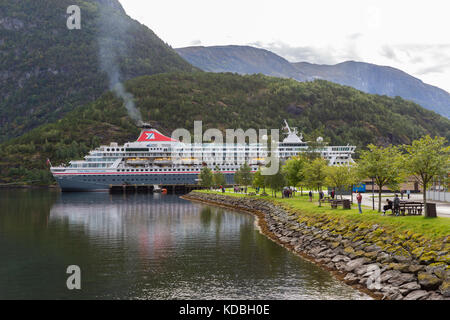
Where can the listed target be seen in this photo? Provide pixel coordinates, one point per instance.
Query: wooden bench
(335, 203)
(410, 208)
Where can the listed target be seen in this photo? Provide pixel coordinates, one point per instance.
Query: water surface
(142, 246)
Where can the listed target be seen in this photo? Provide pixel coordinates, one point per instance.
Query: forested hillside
(174, 100)
(47, 70)
(366, 77)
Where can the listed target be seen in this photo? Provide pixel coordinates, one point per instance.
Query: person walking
(408, 193)
(320, 198)
(310, 196)
(396, 205)
(359, 199)
(332, 194)
(401, 194)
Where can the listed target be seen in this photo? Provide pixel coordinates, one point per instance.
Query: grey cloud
(195, 43)
(308, 53)
(355, 36)
(439, 68)
(434, 58)
(388, 52)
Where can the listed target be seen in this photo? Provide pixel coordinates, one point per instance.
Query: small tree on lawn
(259, 180)
(245, 175)
(426, 159)
(276, 182)
(315, 173)
(206, 177)
(218, 177)
(340, 177)
(384, 165)
(293, 170)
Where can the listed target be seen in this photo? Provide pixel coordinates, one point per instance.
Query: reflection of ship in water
(156, 221)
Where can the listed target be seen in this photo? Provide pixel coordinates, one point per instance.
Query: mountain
(366, 77)
(381, 80)
(240, 59)
(47, 70)
(341, 114)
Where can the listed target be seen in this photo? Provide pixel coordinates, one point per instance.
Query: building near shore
(439, 190)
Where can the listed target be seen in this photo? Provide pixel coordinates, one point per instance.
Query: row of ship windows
(136, 179)
(173, 170)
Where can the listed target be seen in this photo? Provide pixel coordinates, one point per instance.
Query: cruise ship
(155, 159)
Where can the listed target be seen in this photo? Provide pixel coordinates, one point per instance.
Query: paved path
(442, 208)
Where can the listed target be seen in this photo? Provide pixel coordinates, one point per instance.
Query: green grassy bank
(425, 238)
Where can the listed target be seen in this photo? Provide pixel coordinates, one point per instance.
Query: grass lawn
(429, 227)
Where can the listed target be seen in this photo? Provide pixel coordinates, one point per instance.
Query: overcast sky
(413, 36)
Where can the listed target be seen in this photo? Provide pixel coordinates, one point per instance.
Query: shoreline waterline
(263, 229)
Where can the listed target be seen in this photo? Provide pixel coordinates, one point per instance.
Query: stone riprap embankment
(384, 263)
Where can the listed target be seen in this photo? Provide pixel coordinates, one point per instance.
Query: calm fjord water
(145, 247)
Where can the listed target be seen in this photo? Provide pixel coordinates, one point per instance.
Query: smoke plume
(111, 39)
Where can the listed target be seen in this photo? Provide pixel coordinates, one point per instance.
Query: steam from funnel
(111, 42)
(128, 99)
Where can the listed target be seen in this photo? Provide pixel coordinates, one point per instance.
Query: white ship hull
(155, 159)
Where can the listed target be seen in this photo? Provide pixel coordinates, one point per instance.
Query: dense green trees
(315, 173)
(218, 178)
(294, 170)
(244, 175)
(276, 181)
(385, 165)
(259, 180)
(341, 177)
(206, 178)
(175, 100)
(427, 159)
(48, 70)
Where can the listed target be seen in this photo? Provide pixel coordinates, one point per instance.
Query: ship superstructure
(156, 159)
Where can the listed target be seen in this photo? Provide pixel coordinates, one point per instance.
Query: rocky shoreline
(383, 264)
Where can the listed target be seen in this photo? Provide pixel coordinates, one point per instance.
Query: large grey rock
(384, 257)
(395, 296)
(385, 276)
(355, 263)
(339, 258)
(441, 273)
(351, 278)
(415, 268)
(417, 294)
(340, 265)
(435, 296)
(402, 259)
(360, 270)
(445, 288)
(429, 281)
(401, 279)
(408, 287)
(324, 253)
(372, 248)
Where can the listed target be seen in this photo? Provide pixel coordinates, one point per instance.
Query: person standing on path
(396, 205)
(320, 198)
(359, 199)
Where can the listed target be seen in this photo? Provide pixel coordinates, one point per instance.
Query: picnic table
(411, 208)
(345, 203)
